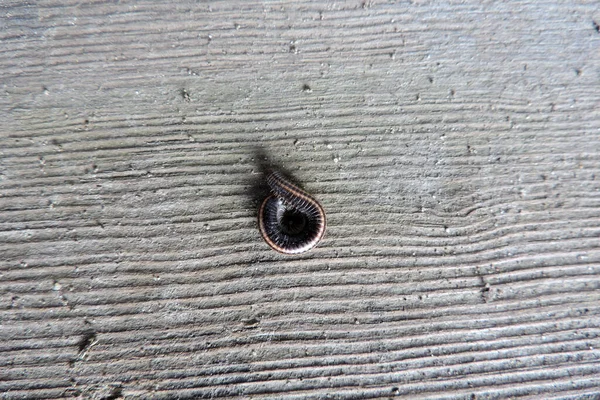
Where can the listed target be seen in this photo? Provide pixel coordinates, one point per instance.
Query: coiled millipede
(290, 220)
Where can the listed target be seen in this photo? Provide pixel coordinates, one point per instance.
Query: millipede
(290, 220)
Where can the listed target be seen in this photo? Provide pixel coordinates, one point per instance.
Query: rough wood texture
(454, 146)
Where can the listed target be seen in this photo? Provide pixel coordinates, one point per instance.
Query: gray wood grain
(455, 148)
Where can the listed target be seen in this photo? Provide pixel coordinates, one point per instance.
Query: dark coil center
(293, 222)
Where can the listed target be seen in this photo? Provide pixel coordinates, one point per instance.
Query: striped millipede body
(290, 220)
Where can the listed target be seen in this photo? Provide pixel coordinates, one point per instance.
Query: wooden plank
(455, 148)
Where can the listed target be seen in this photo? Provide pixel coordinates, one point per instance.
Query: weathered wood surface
(454, 146)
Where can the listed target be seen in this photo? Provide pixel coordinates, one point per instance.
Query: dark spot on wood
(116, 393)
(185, 95)
(306, 88)
(472, 210)
(251, 321)
(430, 79)
(596, 26)
(86, 340)
(484, 290)
(191, 71)
(71, 392)
(577, 72)
(56, 143)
